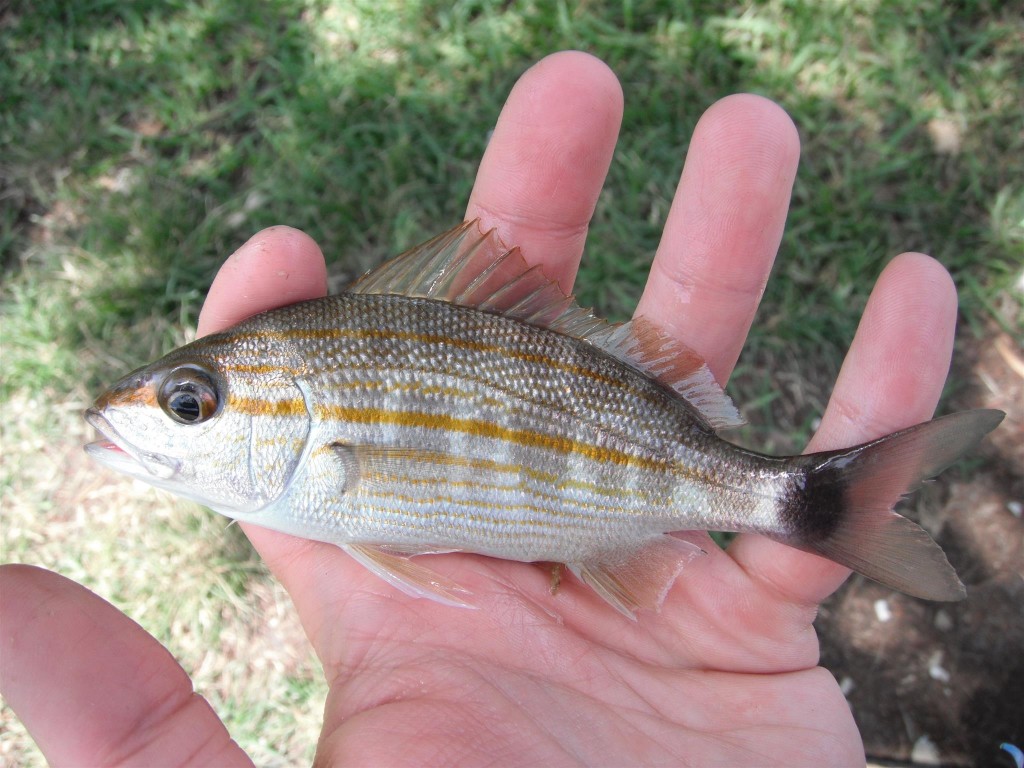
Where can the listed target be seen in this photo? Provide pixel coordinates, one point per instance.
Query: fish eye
(189, 395)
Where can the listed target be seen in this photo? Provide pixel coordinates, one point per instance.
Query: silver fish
(455, 400)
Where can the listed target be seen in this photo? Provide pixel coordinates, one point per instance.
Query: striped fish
(455, 400)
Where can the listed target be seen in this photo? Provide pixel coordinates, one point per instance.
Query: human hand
(725, 674)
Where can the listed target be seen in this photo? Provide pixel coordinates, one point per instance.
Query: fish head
(192, 424)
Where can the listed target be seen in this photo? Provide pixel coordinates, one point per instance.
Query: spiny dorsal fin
(421, 270)
(471, 268)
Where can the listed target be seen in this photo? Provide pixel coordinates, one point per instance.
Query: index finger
(543, 170)
(275, 267)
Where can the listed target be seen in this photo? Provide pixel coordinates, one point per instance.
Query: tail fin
(844, 509)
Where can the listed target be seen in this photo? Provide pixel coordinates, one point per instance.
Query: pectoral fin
(403, 574)
(640, 578)
(381, 469)
(373, 467)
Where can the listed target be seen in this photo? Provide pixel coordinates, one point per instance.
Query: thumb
(93, 687)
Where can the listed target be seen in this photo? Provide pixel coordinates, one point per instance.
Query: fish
(455, 399)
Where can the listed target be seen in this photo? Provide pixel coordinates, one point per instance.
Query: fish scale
(455, 400)
(457, 356)
(546, 426)
(558, 394)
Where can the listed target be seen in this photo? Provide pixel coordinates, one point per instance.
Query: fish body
(455, 400)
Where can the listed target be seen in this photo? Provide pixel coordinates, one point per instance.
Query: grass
(140, 143)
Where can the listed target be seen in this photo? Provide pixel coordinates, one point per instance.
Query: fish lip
(119, 454)
(99, 422)
(112, 439)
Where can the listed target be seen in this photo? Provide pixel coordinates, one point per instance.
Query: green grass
(141, 142)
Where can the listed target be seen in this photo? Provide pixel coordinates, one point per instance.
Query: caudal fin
(844, 509)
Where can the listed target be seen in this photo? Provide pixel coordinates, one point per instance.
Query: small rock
(925, 752)
(846, 685)
(943, 622)
(1015, 508)
(946, 136)
(882, 610)
(935, 668)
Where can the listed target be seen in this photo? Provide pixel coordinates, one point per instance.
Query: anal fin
(640, 578)
(403, 574)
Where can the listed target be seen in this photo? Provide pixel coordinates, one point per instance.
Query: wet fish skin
(445, 405)
(398, 392)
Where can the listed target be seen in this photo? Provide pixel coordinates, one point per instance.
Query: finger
(541, 175)
(92, 687)
(724, 228)
(892, 378)
(276, 267)
(907, 334)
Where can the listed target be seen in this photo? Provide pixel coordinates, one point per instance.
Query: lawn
(141, 142)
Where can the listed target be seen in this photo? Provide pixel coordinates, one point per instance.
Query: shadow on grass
(158, 136)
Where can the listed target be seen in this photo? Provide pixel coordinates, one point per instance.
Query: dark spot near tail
(813, 507)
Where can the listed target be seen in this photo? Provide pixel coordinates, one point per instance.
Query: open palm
(725, 674)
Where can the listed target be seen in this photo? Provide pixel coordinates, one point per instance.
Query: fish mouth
(117, 453)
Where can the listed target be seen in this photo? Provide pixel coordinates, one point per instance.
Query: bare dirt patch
(943, 684)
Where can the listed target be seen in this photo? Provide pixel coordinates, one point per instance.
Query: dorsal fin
(642, 345)
(472, 268)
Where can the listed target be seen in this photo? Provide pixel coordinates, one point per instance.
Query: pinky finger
(892, 378)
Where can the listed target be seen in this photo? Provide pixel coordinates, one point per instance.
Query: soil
(943, 683)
